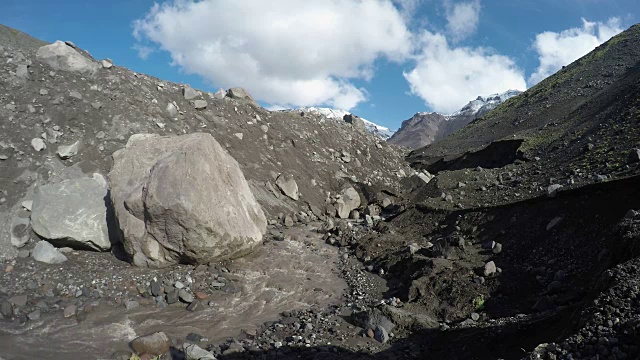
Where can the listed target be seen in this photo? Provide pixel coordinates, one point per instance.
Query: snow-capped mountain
(425, 128)
(381, 131)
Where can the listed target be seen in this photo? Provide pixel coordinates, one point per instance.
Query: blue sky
(383, 59)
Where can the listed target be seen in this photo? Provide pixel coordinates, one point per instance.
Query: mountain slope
(382, 132)
(428, 127)
(558, 111)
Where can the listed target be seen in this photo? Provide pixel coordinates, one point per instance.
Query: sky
(383, 60)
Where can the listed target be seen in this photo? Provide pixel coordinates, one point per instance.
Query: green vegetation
(478, 302)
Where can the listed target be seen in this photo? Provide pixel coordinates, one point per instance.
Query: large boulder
(287, 184)
(73, 213)
(349, 200)
(61, 56)
(182, 199)
(241, 94)
(355, 121)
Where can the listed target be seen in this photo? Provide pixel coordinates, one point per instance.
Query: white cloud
(462, 18)
(286, 52)
(448, 78)
(143, 51)
(559, 49)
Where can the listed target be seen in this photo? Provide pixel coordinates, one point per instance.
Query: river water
(285, 275)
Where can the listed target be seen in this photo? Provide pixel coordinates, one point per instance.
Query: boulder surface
(182, 199)
(61, 56)
(72, 213)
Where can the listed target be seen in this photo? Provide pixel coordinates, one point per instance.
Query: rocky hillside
(428, 127)
(57, 117)
(561, 113)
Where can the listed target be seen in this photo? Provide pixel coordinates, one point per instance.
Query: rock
(489, 269)
(189, 93)
(76, 95)
(34, 315)
(6, 310)
(287, 184)
(355, 121)
(381, 334)
(68, 151)
(163, 198)
(107, 64)
(194, 352)
(545, 303)
(38, 144)
(475, 316)
(155, 288)
(172, 297)
(599, 178)
(288, 221)
(46, 253)
(186, 296)
(131, 304)
(497, 249)
(20, 231)
(82, 224)
(19, 300)
(195, 306)
(199, 104)
(555, 221)
(70, 311)
(349, 200)
(240, 94)
(22, 72)
(634, 156)
(60, 56)
(240, 136)
(552, 190)
(23, 254)
(153, 344)
(172, 109)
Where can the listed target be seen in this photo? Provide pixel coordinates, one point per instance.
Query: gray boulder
(189, 93)
(72, 213)
(241, 94)
(355, 121)
(182, 199)
(61, 56)
(349, 200)
(47, 253)
(194, 352)
(287, 184)
(68, 151)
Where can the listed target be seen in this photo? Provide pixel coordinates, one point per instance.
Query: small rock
(194, 352)
(68, 151)
(185, 296)
(107, 64)
(189, 93)
(634, 156)
(38, 144)
(34, 315)
(19, 300)
(47, 253)
(475, 316)
(552, 190)
(200, 104)
(497, 249)
(153, 344)
(239, 135)
(489, 269)
(70, 311)
(131, 304)
(6, 310)
(172, 297)
(381, 334)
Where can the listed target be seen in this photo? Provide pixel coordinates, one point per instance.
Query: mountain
(580, 107)
(425, 128)
(382, 132)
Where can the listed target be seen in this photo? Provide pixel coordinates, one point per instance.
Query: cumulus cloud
(447, 78)
(559, 49)
(462, 18)
(285, 52)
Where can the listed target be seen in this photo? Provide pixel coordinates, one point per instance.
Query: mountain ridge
(425, 128)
